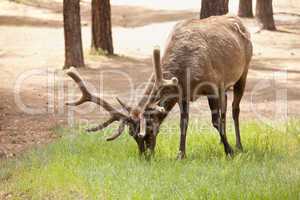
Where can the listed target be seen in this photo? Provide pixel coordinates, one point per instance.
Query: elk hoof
(229, 152)
(239, 147)
(181, 155)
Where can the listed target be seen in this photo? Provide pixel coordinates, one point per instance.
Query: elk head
(144, 119)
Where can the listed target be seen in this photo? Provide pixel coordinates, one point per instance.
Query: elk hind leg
(222, 125)
(238, 91)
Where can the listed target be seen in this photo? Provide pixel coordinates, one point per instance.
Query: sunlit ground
(187, 4)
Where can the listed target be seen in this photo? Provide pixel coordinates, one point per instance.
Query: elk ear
(157, 108)
(124, 105)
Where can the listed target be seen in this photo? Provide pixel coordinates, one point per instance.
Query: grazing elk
(203, 57)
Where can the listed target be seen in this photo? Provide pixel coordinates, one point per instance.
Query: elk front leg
(223, 106)
(151, 143)
(141, 145)
(184, 120)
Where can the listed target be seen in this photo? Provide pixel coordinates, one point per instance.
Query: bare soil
(31, 37)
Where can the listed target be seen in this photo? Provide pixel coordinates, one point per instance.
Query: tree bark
(213, 7)
(72, 33)
(264, 14)
(101, 26)
(245, 8)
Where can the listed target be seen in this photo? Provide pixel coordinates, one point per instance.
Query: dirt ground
(32, 55)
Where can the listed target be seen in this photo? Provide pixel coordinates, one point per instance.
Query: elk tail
(244, 34)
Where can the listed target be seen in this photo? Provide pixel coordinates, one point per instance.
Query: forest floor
(32, 56)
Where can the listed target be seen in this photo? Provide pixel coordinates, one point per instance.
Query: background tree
(264, 14)
(245, 8)
(101, 26)
(213, 7)
(72, 32)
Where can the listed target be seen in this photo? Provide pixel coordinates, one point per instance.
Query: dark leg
(215, 112)
(223, 106)
(238, 91)
(141, 145)
(184, 120)
(151, 143)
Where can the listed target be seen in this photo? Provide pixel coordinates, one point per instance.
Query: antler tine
(101, 126)
(118, 132)
(124, 105)
(156, 62)
(160, 81)
(147, 92)
(88, 96)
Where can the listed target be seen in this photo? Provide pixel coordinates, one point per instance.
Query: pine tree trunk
(101, 26)
(264, 14)
(213, 7)
(245, 8)
(72, 32)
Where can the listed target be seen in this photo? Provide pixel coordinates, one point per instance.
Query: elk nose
(141, 135)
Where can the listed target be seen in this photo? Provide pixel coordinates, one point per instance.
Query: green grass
(80, 166)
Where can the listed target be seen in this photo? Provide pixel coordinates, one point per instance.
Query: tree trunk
(245, 8)
(72, 31)
(264, 14)
(213, 7)
(101, 26)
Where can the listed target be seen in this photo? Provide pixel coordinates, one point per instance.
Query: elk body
(203, 57)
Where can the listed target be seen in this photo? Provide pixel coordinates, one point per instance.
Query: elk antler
(124, 105)
(118, 132)
(87, 96)
(159, 80)
(159, 84)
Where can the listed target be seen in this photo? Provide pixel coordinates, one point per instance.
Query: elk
(203, 57)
